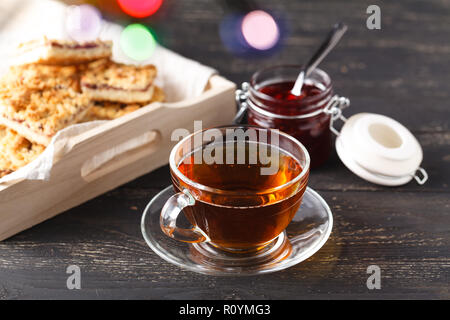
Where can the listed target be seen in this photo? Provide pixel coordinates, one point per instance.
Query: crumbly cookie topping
(44, 112)
(16, 151)
(108, 74)
(40, 77)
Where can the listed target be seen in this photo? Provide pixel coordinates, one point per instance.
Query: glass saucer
(304, 236)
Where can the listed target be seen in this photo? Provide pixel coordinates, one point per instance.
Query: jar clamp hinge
(241, 100)
(423, 179)
(334, 109)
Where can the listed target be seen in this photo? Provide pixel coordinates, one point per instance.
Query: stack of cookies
(60, 83)
(117, 89)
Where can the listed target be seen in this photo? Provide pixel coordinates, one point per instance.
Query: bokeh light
(260, 30)
(137, 42)
(83, 23)
(140, 8)
(252, 34)
(231, 35)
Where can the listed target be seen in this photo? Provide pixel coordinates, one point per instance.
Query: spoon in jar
(330, 42)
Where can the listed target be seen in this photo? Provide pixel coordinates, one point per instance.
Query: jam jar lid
(380, 150)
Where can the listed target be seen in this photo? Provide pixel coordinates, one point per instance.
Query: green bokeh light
(137, 42)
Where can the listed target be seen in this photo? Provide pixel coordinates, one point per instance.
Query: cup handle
(169, 215)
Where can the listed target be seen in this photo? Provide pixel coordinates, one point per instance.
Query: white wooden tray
(77, 177)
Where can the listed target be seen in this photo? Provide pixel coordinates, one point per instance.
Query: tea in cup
(239, 186)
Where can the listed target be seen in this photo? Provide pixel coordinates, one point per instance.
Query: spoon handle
(330, 42)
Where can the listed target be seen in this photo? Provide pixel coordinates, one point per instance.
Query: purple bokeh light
(83, 23)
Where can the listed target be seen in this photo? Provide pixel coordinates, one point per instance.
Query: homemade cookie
(107, 110)
(110, 81)
(62, 52)
(158, 95)
(38, 115)
(5, 166)
(16, 151)
(40, 77)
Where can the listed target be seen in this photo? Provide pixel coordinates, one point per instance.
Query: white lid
(380, 150)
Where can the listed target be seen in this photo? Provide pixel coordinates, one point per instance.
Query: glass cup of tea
(238, 186)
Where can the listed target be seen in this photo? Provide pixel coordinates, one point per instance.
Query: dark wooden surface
(402, 71)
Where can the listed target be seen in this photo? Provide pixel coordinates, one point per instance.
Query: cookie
(105, 80)
(40, 77)
(62, 52)
(107, 110)
(158, 95)
(38, 115)
(16, 151)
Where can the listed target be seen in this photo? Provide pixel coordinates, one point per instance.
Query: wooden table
(401, 71)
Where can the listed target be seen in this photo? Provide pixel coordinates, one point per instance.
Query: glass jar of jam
(308, 117)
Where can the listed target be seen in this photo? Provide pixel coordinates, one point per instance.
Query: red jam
(292, 114)
(282, 91)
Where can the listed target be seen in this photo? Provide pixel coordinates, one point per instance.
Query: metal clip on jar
(375, 147)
